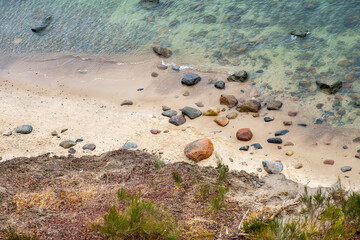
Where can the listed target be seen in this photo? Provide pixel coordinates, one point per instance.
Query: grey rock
(89, 146)
(169, 113)
(67, 144)
(24, 129)
(6, 134)
(220, 84)
(177, 120)
(240, 76)
(275, 140)
(72, 151)
(129, 145)
(274, 105)
(126, 102)
(329, 86)
(191, 112)
(281, 132)
(272, 167)
(256, 146)
(299, 33)
(191, 79)
(346, 169)
(165, 108)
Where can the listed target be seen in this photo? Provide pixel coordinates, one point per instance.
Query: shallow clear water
(222, 35)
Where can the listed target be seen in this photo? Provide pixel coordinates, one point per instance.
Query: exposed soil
(58, 197)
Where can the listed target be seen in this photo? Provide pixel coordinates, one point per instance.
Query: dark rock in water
(24, 129)
(177, 120)
(275, 140)
(192, 113)
(318, 121)
(268, 119)
(346, 169)
(126, 103)
(249, 106)
(329, 86)
(351, 21)
(357, 62)
(191, 79)
(244, 148)
(233, 18)
(174, 23)
(228, 100)
(67, 144)
(129, 145)
(209, 19)
(240, 76)
(169, 113)
(260, 71)
(298, 33)
(302, 124)
(274, 105)
(149, 3)
(162, 52)
(281, 132)
(89, 146)
(256, 146)
(220, 84)
(175, 69)
(272, 167)
(72, 151)
(43, 26)
(79, 140)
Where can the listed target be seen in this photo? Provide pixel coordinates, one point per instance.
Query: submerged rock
(298, 33)
(240, 76)
(162, 52)
(199, 150)
(191, 79)
(24, 129)
(46, 22)
(272, 167)
(329, 86)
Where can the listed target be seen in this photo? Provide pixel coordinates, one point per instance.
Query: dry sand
(84, 97)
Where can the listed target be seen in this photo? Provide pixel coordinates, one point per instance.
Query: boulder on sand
(249, 106)
(199, 150)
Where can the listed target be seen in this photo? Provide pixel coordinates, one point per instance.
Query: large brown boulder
(244, 134)
(199, 150)
(249, 106)
(228, 100)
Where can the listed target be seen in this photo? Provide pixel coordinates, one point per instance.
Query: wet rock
(72, 151)
(46, 22)
(209, 19)
(222, 121)
(268, 119)
(24, 129)
(256, 146)
(272, 167)
(214, 111)
(177, 120)
(244, 134)
(346, 169)
(281, 132)
(155, 131)
(329, 162)
(7, 134)
(232, 115)
(67, 144)
(329, 86)
(162, 67)
(287, 123)
(299, 33)
(249, 106)
(199, 104)
(54, 133)
(126, 103)
(219, 84)
(228, 100)
(289, 153)
(292, 114)
(275, 140)
(274, 105)
(129, 145)
(190, 79)
(240, 76)
(169, 113)
(154, 74)
(199, 150)
(191, 112)
(162, 52)
(244, 148)
(89, 146)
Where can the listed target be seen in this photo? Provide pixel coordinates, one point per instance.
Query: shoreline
(52, 96)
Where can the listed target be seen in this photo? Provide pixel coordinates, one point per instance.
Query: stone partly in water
(214, 111)
(129, 145)
(244, 134)
(274, 105)
(177, 120)
(240, 76)
(190, 79)
(46, 22)
(222, 121)
(89, 146)
(346, 169)
(169, 113)
(228, 100)
(67, 144)
(329, 86)
(281, 132)
(275, 140)
(199, 150)
(232, 115)
(162, 52)
(249, 106)
(24, 129)
(191, 112)
(220, 84)
(272, 167)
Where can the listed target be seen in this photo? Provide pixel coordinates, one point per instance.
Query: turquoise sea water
(210, 35)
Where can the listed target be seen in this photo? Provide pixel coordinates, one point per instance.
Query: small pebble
(289, 144)
(346, 169)
(289, 153)
(72, 151)
(292, 114)
(329, 162)
(140, 89)
(287, 123)
(165, 108)
(244, 148)
(256, 146)
(255, 115)
(89, 146)
(154, 74)
(345, 147)
(54, 133)
(302, 125)
(186, 93)
(7, 134)
(298, 165)
(79, 140)
(268, 119)
(63, 130)
(199, 104)
(155, 131)
(126, 103)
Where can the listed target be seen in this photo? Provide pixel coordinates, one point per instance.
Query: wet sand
(84, 96)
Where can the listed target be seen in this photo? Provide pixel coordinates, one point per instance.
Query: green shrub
(159, 164)
(219, 198)
(11, 234)
(177, 178)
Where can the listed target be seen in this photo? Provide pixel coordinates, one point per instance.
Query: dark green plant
(177, 178)
(11, 234)
(159, 164)
(122, 194)
(222, 170)
(219, 198)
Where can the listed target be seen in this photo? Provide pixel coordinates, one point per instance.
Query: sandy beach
(84, 96)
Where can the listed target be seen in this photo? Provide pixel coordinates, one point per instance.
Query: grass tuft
(159, 164)
(11, 234)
